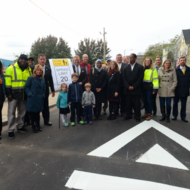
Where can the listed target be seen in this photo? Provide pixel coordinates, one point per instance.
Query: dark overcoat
(183, 84)
(133, 78)
(37, 88)
(114, 85)
(99, 80)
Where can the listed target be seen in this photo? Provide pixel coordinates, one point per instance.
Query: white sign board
(62, 70)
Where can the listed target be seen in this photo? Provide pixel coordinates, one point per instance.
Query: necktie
(77, 70)
(119, 66)
(183, 70)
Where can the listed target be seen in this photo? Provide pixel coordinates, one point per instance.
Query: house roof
(186, 34)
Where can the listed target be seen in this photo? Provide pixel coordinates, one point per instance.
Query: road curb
(5, 121)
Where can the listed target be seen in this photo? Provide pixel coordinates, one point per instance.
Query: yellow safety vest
(15, 78)
(151, 76)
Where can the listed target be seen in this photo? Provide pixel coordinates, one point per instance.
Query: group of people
(124, 86)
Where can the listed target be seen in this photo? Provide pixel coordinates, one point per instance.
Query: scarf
(147, 67)
(99, 69)
(39, 77)
(111, 71)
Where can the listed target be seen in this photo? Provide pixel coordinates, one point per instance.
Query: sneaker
(22, 130)
(85, 122)
(90, 122)
(65, 124)
(73, 124)
(81, 122)
(11, 135)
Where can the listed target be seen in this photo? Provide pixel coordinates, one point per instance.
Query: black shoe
(48, 123)
(163, 111)
(174, 118)
(34, 129)
(11, 135)
(39, 128)
(127, 118)
(104, 113)
(137, 120)
(22, 130)
(185, 120)
(122, 115)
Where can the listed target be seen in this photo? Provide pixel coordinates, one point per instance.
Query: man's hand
(10, 98)
(94, 106)
(116, 94)
(68, 104)
(158, 92)
(99, 89)
(130, 88)
(153, 92)
(53, 94)
(80, 83)
(83, 107)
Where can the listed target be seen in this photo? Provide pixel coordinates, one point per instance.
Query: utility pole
(104, 38)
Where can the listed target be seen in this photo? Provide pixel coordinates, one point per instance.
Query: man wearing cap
(121, 66)
(15, 78)
(30, 61)
(85, 64)
(108, 61)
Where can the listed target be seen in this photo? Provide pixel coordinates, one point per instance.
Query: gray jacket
(88, 98)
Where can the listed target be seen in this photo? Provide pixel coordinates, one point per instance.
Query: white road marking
(157, 155)
(112, 146)
(91, 181)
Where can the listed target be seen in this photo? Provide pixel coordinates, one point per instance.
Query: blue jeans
(183, 106)
(147, 97)
(167, 100)
(88, 113)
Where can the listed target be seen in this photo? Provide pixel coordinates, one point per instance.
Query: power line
(55, 19)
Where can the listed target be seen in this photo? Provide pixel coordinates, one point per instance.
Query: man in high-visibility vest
(15, 78)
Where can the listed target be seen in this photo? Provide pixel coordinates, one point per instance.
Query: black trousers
(154, 107)
(27, 117)
(98, 107)
(133, 101)
(113, 106)
(45, 111)
(1, 124)
(183, 106)
(35, 118)
(122, 103)
(75, 106)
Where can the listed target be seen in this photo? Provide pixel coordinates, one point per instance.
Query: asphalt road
(48, 159)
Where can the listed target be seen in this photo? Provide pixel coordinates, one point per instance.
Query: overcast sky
(130, 24)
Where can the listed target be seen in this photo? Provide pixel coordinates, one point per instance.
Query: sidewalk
(52, 102)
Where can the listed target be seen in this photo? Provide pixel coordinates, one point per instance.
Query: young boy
(74, 99)
(88, 102)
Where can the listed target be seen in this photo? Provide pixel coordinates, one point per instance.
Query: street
(108, 155)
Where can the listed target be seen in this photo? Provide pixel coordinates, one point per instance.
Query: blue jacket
(183, 82)
(37, 88)
(4, 89)
(62, 100)
(75, 92)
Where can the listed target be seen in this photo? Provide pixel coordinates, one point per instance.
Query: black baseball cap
(31, 58)
(23, 56)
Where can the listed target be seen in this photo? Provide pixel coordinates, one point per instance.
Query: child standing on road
(88, 102)
(62, 103)
(74, 99)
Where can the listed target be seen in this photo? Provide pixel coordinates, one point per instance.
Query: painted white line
(91, 181)
(112, 146)
(157, 155)
(171, 134)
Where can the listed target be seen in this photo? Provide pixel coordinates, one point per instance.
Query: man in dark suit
(182, 89)
(121, 66)
(81, 71)
(49, 82)
(133, 78)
